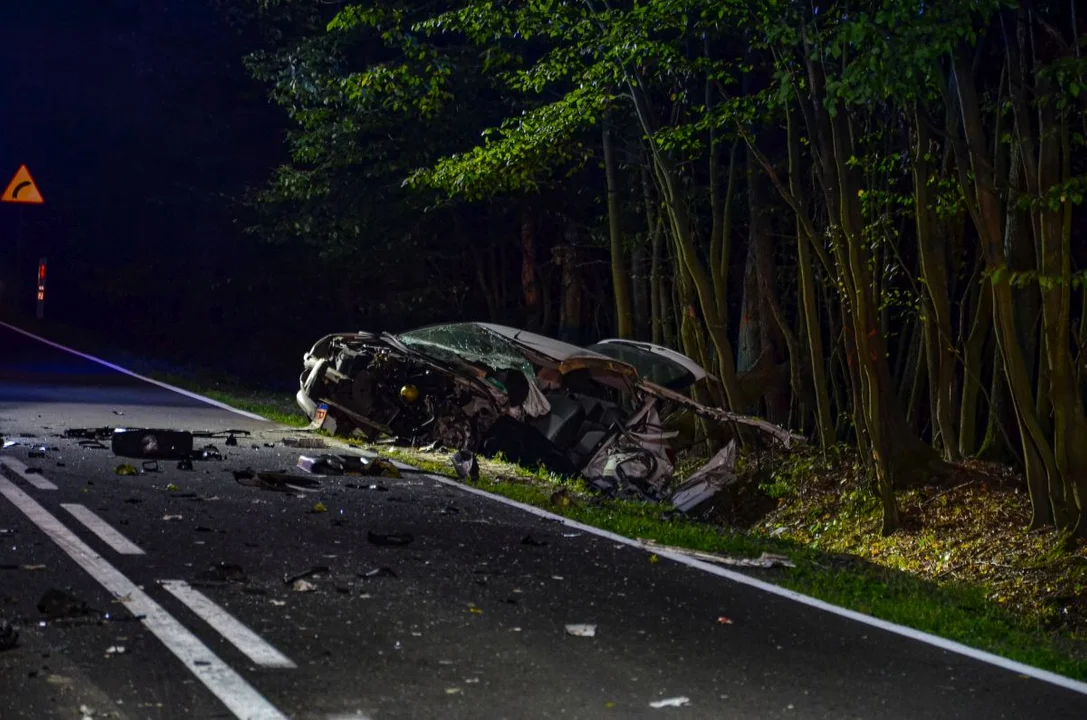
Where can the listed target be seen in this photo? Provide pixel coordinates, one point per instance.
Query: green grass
(957, 612)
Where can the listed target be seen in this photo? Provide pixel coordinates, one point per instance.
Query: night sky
(142, 130)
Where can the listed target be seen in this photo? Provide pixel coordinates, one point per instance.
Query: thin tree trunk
(938, 339)
(620, 280)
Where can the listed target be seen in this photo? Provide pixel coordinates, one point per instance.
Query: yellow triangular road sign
(22, 189)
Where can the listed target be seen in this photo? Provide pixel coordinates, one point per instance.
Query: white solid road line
(103, 530)
(253, 645)
(927, 638)
(125, 371)
(17, 467)
(226, 684)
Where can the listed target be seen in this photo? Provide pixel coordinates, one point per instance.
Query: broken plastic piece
(38, 452)
(152, 444)
(309, 443)
(765, 560)
(378, 572)
(210, 452)
(391, 539)
(303, 586)
(56, 604)
(315, 570)
(126, 469)
(319, 507)
(150, 465)
(707, 481)
(671, 702)
(9, 636)
(581, 630)
(280, 482)
(223, 572)
(466, 465)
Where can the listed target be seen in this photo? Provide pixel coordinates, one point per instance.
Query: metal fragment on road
(671, 702)
(765, 560)
(581, 630)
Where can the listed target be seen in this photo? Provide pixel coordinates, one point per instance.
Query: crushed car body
(492, 389)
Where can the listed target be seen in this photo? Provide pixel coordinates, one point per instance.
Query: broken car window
(467, 341)
(654, 368)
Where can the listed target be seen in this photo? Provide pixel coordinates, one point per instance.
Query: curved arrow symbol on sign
(19, 187)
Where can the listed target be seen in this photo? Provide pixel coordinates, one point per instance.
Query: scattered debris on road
(101, 433)
(391, 539)
(581, 630)
(765, 560)
(126, 469)
(9, 635)
(277, 481)
(307, 443)
(223, 573)
(319, 507)
(377, 572)
(115, 650)
(56, 604)
(466, 465)
(347, 465)
(724, 620)
(303, 586)
(154, 444)
(171, 518)
(671, 702)
(315, 570)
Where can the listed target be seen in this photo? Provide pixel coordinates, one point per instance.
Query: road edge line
(223, 681)
(737, 577)
(130, 373)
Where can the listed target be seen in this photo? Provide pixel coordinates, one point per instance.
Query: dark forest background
(865, 217)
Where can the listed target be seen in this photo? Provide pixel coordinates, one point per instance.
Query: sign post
(22, 190)
(41, 289)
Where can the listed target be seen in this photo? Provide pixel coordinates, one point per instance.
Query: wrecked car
(494, 389)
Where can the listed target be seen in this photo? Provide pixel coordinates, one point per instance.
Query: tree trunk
(565, 256)
(939, 344)
(529, 287)
(809, 310)
(972, 360)
(985, 208)
(620, 280)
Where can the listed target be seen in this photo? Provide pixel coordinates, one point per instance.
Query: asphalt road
(466, 621)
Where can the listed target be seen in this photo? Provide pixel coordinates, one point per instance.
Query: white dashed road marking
(231, 688)
(240, 636)
(20, 469)
(103, 530)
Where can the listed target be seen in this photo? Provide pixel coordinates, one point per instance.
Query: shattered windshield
(654, 368)
(468, 341)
